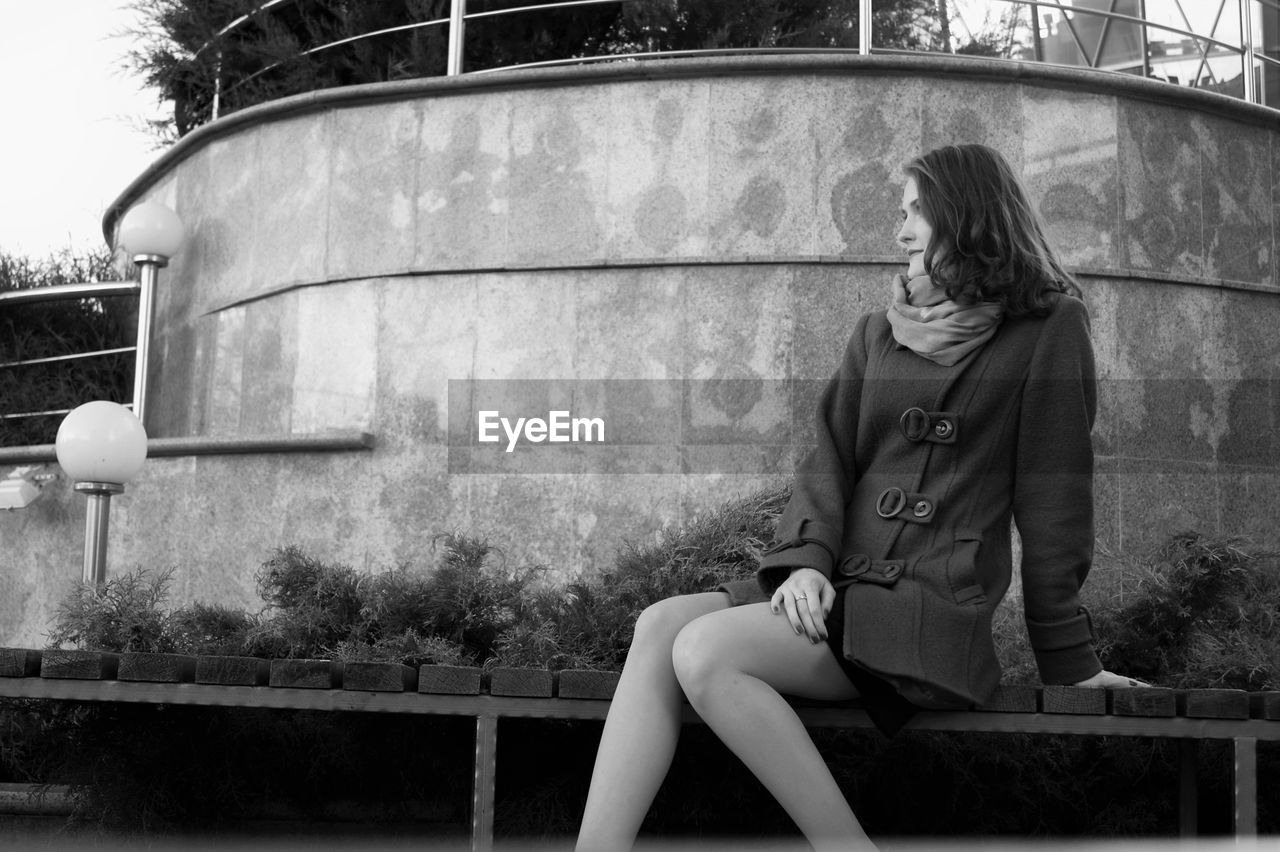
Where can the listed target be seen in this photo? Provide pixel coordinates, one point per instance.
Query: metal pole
(864, 27)
(217, 86)
(457, 25)
(1035, 31)
(92, 290)
(149, 266)
(1246, 38)
(1146, 47)
(96, 522)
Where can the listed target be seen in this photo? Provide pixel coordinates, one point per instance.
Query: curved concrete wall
(681, 247)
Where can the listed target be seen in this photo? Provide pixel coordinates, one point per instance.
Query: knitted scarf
(928, 323)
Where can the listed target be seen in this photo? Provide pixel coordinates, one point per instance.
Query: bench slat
(1264, 705)
(306, 674)
(449, 680)
(1013, 699)
(1214, 703)
(79, 665)
(232, 671)
(587, 683)
(379, 677)
(157, 668)
(533, 683)
(19, 662)
(1144, 701)
(1078, 700)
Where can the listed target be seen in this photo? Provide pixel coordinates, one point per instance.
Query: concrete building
(677, 248)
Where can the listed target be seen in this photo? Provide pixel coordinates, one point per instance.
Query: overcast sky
(70, 138)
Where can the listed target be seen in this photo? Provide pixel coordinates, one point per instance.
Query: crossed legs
(640, 732)
(731, 663)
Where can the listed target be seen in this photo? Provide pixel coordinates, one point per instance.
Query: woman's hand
(806, 597)
(1110, 680)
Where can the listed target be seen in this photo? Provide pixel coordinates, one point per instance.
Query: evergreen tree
(236, 53)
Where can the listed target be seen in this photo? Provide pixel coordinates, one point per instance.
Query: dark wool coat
(906, 502)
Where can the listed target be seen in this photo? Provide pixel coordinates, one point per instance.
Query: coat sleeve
(1053, 494)
(812, 525)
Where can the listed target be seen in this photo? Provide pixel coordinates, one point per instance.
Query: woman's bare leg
(640, 732)
(732, 666)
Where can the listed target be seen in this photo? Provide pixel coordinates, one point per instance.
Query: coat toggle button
(922, 508)
(890, 502)
(915, 423)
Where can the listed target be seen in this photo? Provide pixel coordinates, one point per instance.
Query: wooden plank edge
(232, 671)
(1265, 705)
(19, 662)
(1013, 698)
(450, 680)
(305, 674)
(79, 665)
(157, 668)
(1076, 700)
(1145, 701)
(1213, 703)
(587, 683)
(371, 676)
(521, 682)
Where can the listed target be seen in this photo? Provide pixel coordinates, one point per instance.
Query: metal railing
(93, 290)
(1079, 33)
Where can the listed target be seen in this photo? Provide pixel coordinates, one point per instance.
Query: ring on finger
(802, 597)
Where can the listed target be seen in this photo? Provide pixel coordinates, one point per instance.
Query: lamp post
(151, 233)
(101, 446)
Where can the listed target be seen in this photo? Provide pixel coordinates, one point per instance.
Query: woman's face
(916, 232)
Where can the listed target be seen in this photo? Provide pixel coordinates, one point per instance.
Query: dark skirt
(886, 707)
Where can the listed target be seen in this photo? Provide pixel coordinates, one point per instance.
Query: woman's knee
(659, 623)
(697, 657)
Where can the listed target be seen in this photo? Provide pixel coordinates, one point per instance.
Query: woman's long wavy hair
(988, 241)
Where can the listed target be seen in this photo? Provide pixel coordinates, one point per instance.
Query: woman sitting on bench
(966, 404)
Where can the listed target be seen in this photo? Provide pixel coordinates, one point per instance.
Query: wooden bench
(1187, 715)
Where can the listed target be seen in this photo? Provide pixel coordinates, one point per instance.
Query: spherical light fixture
(101, 442)
(101, 446)
(151, 234)
(152, 230)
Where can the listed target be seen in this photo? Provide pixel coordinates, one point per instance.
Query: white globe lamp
(101, 446)
(151, 234)
(151, 230)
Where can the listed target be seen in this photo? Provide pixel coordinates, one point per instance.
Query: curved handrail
(1204, 44)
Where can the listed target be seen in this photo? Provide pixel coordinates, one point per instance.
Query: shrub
(1205, 616)
(1202, 613)
(209, 629)
(124, 616)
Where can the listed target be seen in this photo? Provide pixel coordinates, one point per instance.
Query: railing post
(1035, 32)
(217, 87)
(1144, 41)
(457, 25)
(1246, 54)
(864, 27)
